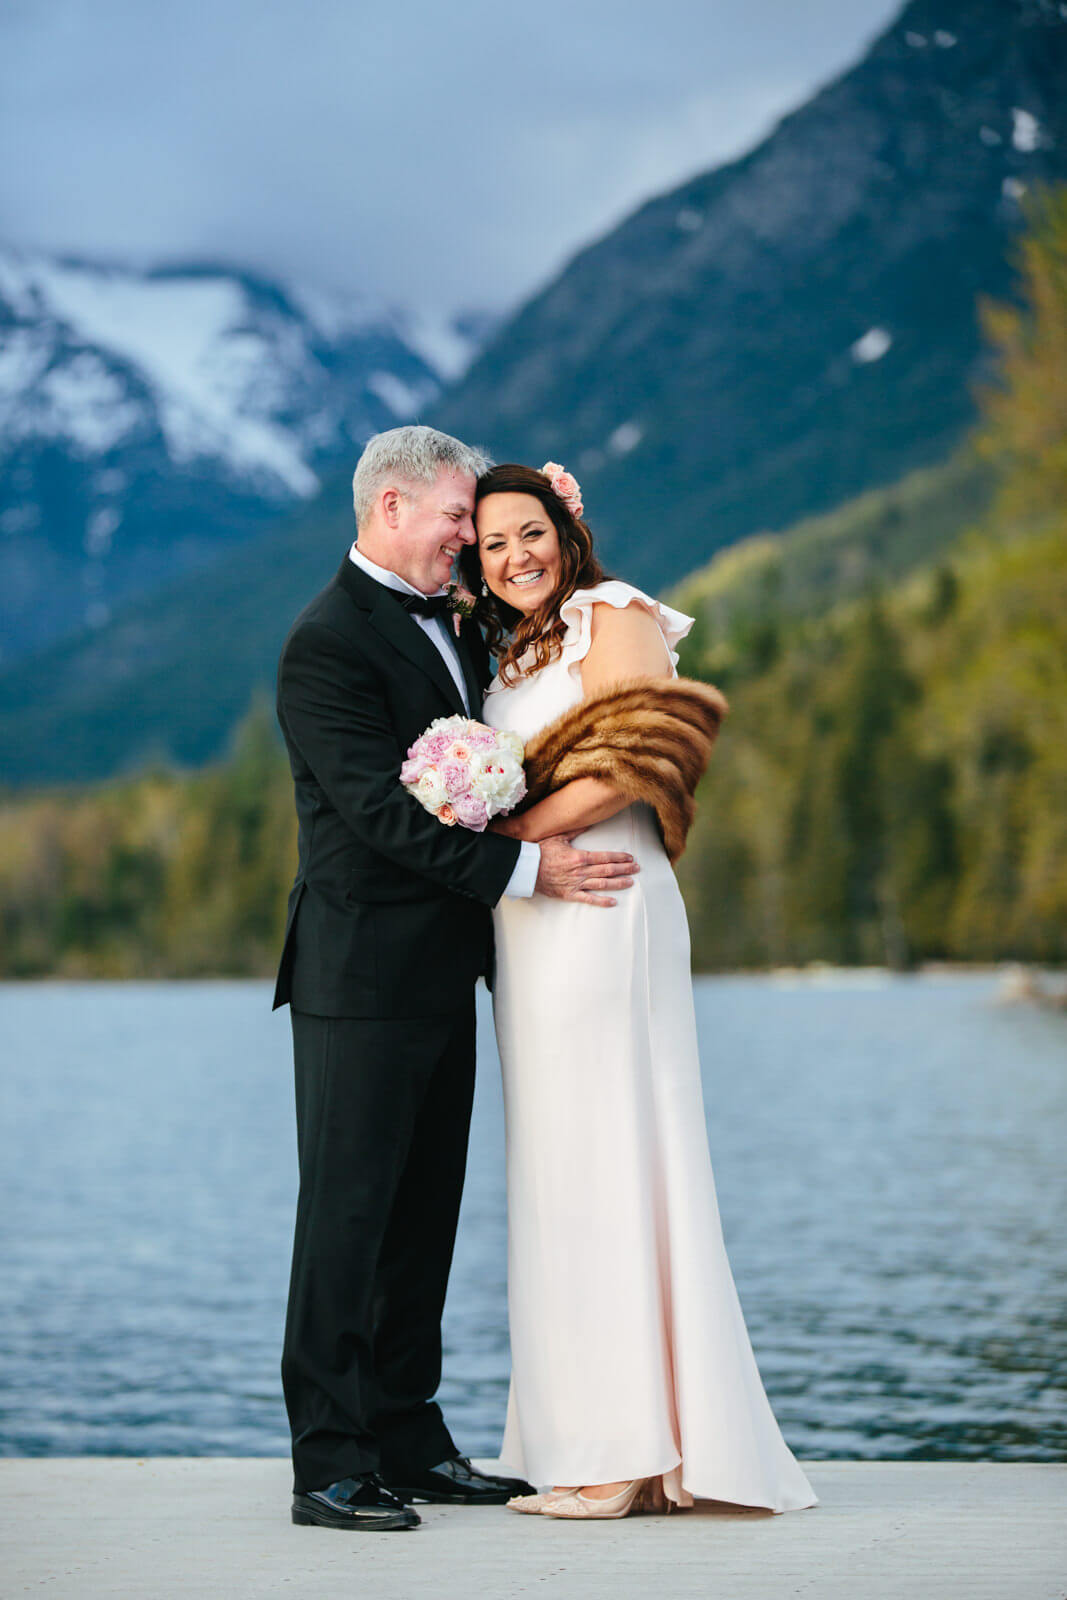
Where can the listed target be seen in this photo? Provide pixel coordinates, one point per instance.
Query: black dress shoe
(457, 1483)
(362, 1502)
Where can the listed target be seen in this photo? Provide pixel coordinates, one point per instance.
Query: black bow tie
(424, 605)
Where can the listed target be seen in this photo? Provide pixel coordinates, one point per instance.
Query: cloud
(443, 156)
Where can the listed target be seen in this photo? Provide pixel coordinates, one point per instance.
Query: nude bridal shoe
(534, 1504)
(578, 1505)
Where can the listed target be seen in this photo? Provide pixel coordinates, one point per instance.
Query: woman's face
(518, 547)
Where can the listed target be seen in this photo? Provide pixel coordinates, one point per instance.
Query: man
(389, 928)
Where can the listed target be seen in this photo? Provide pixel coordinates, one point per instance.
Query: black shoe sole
(393, 1521)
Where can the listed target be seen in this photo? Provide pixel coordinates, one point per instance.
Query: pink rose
(565, 485)
(569, 493)
(456, 777)
(446, 814)
(460, 751)
(471, 812)
(436, 746)
(413, 769)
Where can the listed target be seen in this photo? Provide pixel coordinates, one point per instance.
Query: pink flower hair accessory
(565, 487)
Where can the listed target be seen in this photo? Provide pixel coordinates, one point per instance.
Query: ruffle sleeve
(577, 613)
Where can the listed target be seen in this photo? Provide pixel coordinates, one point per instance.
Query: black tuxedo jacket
(390, 911)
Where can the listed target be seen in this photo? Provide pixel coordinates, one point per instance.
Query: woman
(633, 1380)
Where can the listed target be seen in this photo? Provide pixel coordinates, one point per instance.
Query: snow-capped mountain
(764, 342)
(149, 420)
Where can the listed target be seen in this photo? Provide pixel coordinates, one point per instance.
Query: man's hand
(569, 874)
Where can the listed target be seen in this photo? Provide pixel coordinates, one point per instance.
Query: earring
(485, 587)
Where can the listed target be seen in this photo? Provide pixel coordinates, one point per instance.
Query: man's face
(433, 521)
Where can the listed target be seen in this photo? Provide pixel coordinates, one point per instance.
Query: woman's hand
(510, 827)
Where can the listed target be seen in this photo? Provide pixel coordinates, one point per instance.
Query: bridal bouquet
(464, 771)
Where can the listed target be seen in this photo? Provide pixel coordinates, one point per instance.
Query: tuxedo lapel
(464, 650)
(388, 617)
(405, 635)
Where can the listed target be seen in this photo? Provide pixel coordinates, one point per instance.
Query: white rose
(512, 744)
(498, 779)
(430, 790)
(483, 778)
(513, 793)
(447, 724)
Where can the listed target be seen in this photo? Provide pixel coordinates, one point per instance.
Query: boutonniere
(461, 603)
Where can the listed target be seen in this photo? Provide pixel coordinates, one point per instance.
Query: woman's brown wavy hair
(509, 632)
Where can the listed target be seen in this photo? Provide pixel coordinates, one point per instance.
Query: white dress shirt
(438, 630)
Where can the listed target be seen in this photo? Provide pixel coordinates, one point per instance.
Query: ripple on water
(888, 1157)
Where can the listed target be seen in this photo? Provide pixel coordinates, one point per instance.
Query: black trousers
(383, 1111)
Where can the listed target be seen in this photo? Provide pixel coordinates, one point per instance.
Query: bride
(633, 1379)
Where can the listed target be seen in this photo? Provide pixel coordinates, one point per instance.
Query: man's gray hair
(412, 455)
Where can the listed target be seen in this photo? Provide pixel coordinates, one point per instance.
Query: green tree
(1025, 412)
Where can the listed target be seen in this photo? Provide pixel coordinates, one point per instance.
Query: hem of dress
(677, 1490)
(778, 1508)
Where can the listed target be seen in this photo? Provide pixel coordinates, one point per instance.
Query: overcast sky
(436, 155)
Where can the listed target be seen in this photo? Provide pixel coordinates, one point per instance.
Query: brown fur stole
(650, 738)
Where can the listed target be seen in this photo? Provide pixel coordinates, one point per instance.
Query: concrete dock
(169, 1527)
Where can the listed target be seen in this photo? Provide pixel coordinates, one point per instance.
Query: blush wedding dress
(630, 1356)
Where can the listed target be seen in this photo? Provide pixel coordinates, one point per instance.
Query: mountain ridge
(771, 337)
(150, 418)
(81, 712)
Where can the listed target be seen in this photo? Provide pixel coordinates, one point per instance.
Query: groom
(389, 927)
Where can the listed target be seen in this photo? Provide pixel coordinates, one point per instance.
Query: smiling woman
(633, 1378)
(532, 553)
(520, 556)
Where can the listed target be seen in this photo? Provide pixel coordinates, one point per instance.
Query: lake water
(889, 1154)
